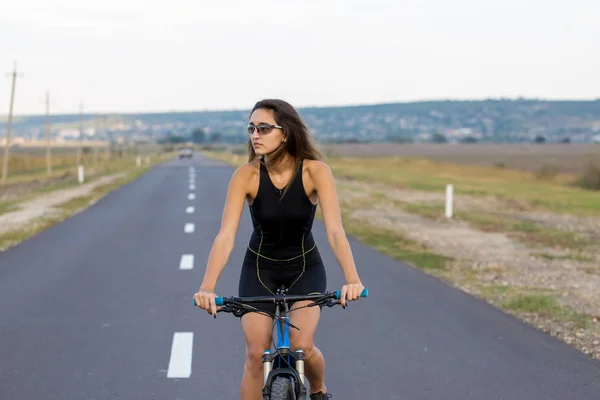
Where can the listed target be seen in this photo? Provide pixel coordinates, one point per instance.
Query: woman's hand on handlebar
(205, 299)
(350, 291)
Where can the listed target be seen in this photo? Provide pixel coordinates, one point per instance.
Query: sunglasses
(262, 129)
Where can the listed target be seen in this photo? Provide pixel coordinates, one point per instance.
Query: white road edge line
(190, 210)
(189, 227)
(180, 364)
(187, 261)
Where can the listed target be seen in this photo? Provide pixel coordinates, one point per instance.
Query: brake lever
(331, 302)
(237, 311)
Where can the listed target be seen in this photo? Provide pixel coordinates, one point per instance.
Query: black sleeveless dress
(282, 250)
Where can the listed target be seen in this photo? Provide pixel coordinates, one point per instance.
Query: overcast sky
(148, 55)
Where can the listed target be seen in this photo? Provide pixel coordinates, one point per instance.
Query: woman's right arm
(225, 239)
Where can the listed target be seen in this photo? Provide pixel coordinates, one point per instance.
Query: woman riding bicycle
(283, 182)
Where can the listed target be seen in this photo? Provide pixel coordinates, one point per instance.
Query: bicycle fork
(297, 358)
(267, 365)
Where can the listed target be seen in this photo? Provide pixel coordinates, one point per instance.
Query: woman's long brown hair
(299, 144)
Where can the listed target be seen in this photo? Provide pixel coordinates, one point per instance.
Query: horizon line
(348, 105)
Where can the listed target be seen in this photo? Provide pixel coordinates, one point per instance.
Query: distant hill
(493, 120)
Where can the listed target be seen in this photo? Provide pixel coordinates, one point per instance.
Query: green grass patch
(545, 305)
(426, 210)
(535, 303)
(397, 246)
(485, 222)
(580, 321)
(494, 290)
(76, 203)
(11, 238)
(528, 231)
(8, 206)
(526, 226)
(537, 234)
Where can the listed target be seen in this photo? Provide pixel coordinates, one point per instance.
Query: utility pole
(80, 133)
(48, 155)
(10, 112)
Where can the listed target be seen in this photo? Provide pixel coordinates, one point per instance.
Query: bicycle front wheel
(282, 389)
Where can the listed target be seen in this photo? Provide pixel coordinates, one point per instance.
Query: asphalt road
(100, 307)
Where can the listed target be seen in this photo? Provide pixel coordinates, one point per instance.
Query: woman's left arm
(336, 236)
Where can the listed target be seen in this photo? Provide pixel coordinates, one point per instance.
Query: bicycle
(283, 369)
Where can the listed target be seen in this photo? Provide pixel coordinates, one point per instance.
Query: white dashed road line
(180, 364)
(189, 227)
(187, 261)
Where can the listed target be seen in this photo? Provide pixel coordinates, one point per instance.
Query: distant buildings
(453, 121)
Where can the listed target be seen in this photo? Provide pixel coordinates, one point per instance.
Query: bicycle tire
(282, 389)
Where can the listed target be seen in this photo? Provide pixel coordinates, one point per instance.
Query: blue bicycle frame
(288, 362)
(282, 362)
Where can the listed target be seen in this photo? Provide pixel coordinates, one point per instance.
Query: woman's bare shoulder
(246, 172)
(317, 168)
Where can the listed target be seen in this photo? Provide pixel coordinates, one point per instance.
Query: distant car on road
(186, 152)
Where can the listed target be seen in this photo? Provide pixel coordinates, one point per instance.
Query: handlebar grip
(364, 293)
(218, 301)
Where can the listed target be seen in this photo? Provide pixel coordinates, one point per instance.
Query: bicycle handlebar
(219, 301)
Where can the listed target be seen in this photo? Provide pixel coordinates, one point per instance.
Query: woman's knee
(257, 332)
(302, 342)
(254, 352)
(307, 320)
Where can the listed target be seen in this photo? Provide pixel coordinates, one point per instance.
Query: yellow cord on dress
(257, 269)
(287, 259)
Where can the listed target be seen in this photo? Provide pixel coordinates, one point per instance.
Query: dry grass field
(29, 163)
(569, 158)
